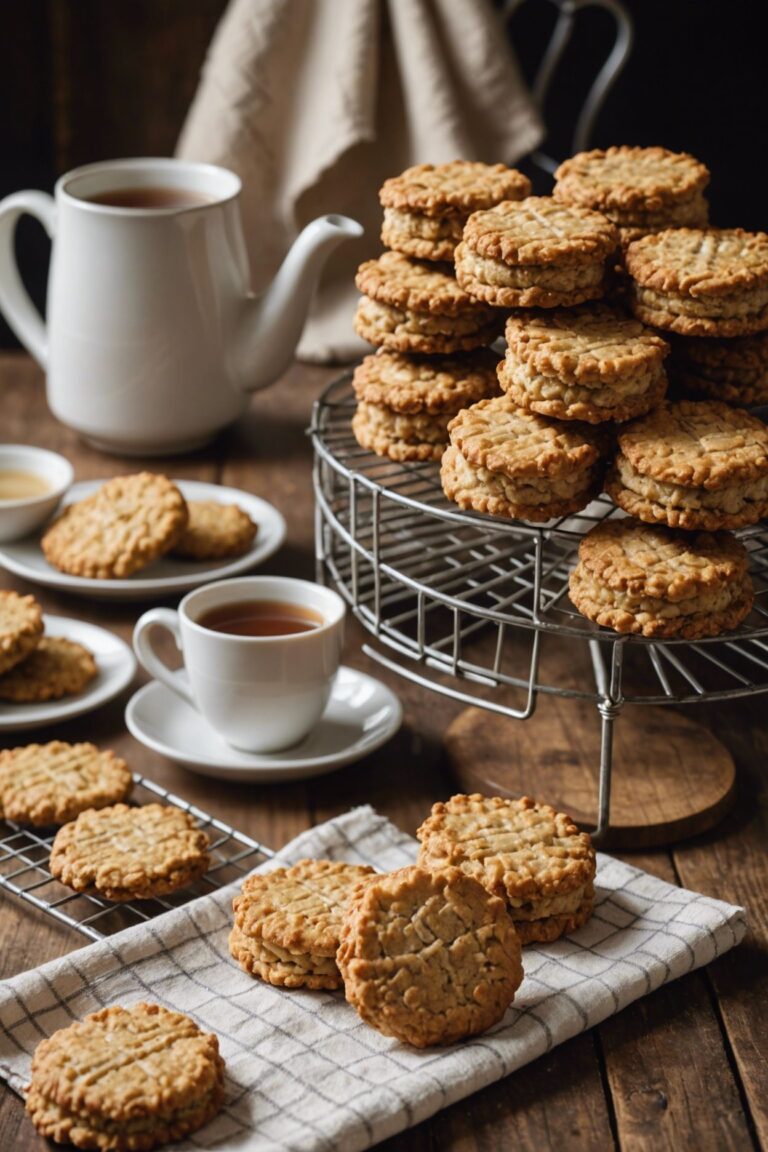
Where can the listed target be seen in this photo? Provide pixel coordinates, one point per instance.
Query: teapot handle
(15, 303)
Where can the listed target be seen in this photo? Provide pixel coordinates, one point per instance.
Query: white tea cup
(261, 693)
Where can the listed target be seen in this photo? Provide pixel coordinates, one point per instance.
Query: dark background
(84, 80)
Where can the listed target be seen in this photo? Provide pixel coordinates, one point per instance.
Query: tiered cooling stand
(476, 608)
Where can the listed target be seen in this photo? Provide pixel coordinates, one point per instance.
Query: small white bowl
(20, 517)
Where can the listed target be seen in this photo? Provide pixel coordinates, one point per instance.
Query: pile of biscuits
(584, 382)
(431, 953)
(35, 667)
(132, 520)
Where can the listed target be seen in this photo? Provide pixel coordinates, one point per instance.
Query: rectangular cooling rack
(24, 854)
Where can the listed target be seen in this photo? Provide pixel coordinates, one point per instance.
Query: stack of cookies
(717, 368)
(34, 667)
(413, 309)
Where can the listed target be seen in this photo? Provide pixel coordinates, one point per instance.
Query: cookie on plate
(125, 1079)
(700, 281)
(405, 402)
(426, 207)
(734, 370)
(21, 628)
(535, 253)
(57, 667)
(589, 363)
(52, 783)
(287, 922)
(129, 853)
(507, 461)
(123, 526)
(215, 531)
(412, 306)
(654, 581)
(528, 854)
(641, 190)
(694, 464)
(429, 958)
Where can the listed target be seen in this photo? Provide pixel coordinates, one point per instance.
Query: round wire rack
(468, 604)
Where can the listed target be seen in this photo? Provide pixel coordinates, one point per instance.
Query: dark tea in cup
(261, 618)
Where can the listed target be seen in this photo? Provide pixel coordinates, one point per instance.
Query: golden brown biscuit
(56, 667)
(638, 578)
(125, 1080)
(400, 436)
(429, 958)
(420, 384)
(734, 370)
(526, 853)
(215, 531)
(52, 783)
(21, 627)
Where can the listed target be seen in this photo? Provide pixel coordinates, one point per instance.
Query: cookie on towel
(52, 783)
(21, 627)
(56, 667)
(215, 531)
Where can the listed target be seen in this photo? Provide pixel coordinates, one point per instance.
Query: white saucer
(361, 715)
(167, 575)
(116, 664)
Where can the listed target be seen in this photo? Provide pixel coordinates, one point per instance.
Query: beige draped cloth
(315, 102)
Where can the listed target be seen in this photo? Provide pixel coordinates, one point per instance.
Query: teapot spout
(271, 326)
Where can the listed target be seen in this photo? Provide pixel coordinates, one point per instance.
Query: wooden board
(671, 777)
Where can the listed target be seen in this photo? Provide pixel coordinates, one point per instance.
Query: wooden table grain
(684, 1068)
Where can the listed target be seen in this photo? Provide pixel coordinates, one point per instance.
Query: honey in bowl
(18, 485)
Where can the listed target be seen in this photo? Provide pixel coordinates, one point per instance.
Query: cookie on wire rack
(52, 783)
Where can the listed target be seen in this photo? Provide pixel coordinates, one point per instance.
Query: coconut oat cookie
(640, 578)
(535, 253)
(400, 436)
(692, 465)
(287, 922)
(125, 1080)
(429, 958)
(129, 853)
(641, 190)
(411, 306)
(425, 208)
(57, 667)
(506, 461)
(21, 627)
(701, 281)
(51, 783)
(123, 526)
(734, 370)
(215, 531)
(528, 854)
(589, 363)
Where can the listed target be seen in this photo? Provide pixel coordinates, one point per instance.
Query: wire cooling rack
(24, 855)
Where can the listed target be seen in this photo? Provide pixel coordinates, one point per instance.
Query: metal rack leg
(609, 708)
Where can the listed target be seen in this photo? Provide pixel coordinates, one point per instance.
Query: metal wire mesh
(24, 854)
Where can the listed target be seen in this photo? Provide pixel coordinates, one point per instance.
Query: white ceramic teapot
(154, 339)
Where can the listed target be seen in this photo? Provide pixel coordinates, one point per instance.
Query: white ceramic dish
(167, 576)
(362, 714)
(117, 667)
(20, 517)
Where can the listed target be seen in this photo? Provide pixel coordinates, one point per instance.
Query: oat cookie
(287, 921)
(527, 853)
(425, 208)
(51, 783)
(420, 384)
(57, 667)
(21, 627)
(429, 958)
(398, 435)
(123, 526)
(639, 578)
(693, 465)
(701, 281)
(215, 531)
(734, 370)
(130, 853)
(126, 1080)
(535, 253)
(590, 363)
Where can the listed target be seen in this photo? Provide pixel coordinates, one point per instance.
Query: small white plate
(116, 664)
(361, 715)
(165, 576)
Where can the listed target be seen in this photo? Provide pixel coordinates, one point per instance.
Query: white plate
(116, 664)
(361, 715)
(165, 576)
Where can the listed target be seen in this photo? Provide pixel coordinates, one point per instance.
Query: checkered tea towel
(304, 1074)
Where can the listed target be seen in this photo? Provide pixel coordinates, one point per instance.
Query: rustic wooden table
(684, 1068)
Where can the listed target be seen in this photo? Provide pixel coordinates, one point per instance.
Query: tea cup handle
(15, 303)
(148, 658)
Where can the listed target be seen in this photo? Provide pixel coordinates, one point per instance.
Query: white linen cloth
(315, 102)
(304, 1073)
